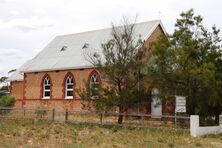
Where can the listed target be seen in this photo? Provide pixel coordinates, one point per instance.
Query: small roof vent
(63, 48)
(86, 45)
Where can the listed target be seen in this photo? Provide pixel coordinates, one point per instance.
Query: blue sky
(27, 26)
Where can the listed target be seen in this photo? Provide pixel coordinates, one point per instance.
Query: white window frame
(46, 90)
(70, 77)
(94, 79)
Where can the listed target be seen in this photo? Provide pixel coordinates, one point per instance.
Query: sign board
(180, 104)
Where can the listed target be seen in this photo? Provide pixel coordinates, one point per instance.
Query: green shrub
(7, 101)
(41, 111)
(4, 88)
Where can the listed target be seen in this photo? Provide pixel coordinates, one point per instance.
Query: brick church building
(50, 78)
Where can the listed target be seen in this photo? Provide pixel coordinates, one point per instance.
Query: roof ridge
(83, 32)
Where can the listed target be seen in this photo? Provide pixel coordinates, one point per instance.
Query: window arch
(46, 87)
(69, 87)
(94, 83)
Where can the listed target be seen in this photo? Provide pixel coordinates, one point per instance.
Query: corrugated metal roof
(72, 56)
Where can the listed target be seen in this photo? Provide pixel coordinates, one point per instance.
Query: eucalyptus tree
(188, 62)
(120, 65)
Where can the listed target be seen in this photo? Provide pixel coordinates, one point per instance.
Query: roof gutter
(65, 68)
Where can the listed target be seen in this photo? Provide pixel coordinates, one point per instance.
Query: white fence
(197, 130)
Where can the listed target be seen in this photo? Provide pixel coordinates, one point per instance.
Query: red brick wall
(33, 88)
(156, 33)
(33, 83)
(16, 89)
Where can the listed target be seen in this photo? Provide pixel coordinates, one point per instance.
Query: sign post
(220, 120)
(180, 105)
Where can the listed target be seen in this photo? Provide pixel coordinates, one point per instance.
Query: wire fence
(110, 118)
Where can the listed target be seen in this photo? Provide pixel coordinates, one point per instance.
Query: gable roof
(67, 51)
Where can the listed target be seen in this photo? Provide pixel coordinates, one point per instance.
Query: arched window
(46, 88)
(94, 85)
(69, 87)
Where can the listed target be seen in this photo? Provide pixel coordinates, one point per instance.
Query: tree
(3, 80)
(4, 88)
(188, 62)
(120, 66)
(7, 101)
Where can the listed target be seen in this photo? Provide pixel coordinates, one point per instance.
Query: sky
(27, 26)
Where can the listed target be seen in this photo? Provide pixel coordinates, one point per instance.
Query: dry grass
(89, 117)
(29, 133)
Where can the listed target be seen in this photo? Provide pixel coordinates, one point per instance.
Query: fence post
(142, 120)
(220, 120)
(66, 115)
(194, 125)
(101, 118)
(24, 111)
(53, 114)
(175, 118)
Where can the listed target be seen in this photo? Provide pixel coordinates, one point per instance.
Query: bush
(7, 101)
(3, 93)
(41, 111)
(4, 88)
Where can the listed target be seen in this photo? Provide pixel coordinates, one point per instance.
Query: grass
(33, 133)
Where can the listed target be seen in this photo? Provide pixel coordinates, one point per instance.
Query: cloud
(11, 56)
(26, 24)
(6, 1)
(4, 53)
(31, 27)
(15, 13)
(3, 1)
(11, 59)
